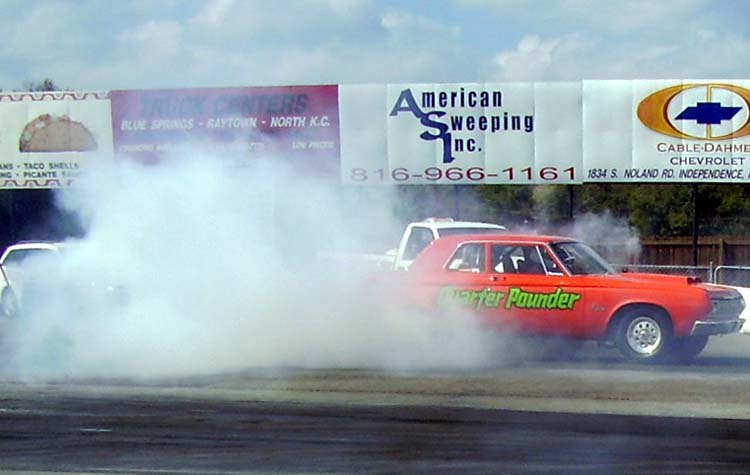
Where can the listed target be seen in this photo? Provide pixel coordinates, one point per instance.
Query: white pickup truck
(416, 237)
(419, 234)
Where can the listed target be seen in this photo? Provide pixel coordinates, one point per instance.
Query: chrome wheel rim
(644, 335)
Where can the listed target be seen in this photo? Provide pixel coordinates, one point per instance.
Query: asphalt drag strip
(133, 436)
(593, 415)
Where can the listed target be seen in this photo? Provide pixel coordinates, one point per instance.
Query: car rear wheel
(643, 334)
(686, 349)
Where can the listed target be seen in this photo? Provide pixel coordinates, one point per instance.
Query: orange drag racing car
(557, 286)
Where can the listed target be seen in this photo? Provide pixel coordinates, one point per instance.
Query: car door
(463, 285)
(537, 297)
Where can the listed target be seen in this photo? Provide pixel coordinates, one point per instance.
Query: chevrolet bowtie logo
(708, 113)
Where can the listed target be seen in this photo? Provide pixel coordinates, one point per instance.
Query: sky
(142, 44)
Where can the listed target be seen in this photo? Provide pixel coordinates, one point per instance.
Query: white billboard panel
(46, 137)
(666, 131)
(462, 133)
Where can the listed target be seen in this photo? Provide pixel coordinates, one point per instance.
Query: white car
(24, 284)
(16, 254)
(12, 261)
(5, 293)
(745, 315)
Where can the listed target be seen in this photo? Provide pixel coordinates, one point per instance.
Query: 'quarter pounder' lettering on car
(557, 300)
(470, 298)
(516, 298)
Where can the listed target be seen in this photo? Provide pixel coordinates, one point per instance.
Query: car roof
(457, 224)
(505, 238)
(36, 245)
(33, 246)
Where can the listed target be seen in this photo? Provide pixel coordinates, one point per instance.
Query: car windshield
(455, 231)
(580, 259)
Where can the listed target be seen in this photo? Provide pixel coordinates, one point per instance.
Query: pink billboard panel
(296, 123)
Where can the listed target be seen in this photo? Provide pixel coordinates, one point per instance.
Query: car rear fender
(625, 309)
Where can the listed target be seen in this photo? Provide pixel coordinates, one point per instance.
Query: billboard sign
(546, 133)
(666, 131)
(299, 123)
(514, 133)
(669, 131)
(46, 138)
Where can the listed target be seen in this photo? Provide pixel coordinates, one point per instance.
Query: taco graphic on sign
(48, 133)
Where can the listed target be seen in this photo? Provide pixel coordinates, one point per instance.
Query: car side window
(419, 239)
(523, 259)
(505, 258)
(468, 258)
(531, 262)
(549, 264)
(16, 257)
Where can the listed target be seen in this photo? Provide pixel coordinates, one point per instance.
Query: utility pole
(695, 224)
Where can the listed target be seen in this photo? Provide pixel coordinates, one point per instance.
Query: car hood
(650, 281)
(657, 278)
(661, 281)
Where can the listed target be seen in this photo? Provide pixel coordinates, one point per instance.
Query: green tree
(655, 209)
(45, 84)
(508, 205)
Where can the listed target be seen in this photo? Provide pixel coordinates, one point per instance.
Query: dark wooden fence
(721, 259)
(714, 251)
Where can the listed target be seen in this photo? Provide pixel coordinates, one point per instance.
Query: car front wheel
(643, 335)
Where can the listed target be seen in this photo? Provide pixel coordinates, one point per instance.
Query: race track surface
(593, 415)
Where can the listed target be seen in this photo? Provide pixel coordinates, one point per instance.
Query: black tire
(685, 349)
(561, 349)
(644, 334)
(9, 304)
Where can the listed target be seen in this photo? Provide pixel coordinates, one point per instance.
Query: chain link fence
(732, 275)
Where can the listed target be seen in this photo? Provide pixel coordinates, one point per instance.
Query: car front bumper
(716, 327)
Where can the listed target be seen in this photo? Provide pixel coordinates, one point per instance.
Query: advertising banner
(545, 133)
(666, 131)
(47, 138)
(670, 131)
(514, 133)
(298, 123)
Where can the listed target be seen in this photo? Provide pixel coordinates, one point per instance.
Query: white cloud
(45, 32)
(400, 21)
(214, 13)
(141, 44)
(632, 15)
(612, 16)
(536, 59)
(157, 42)
(154, 32)
(310, 42)
(341, 7)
